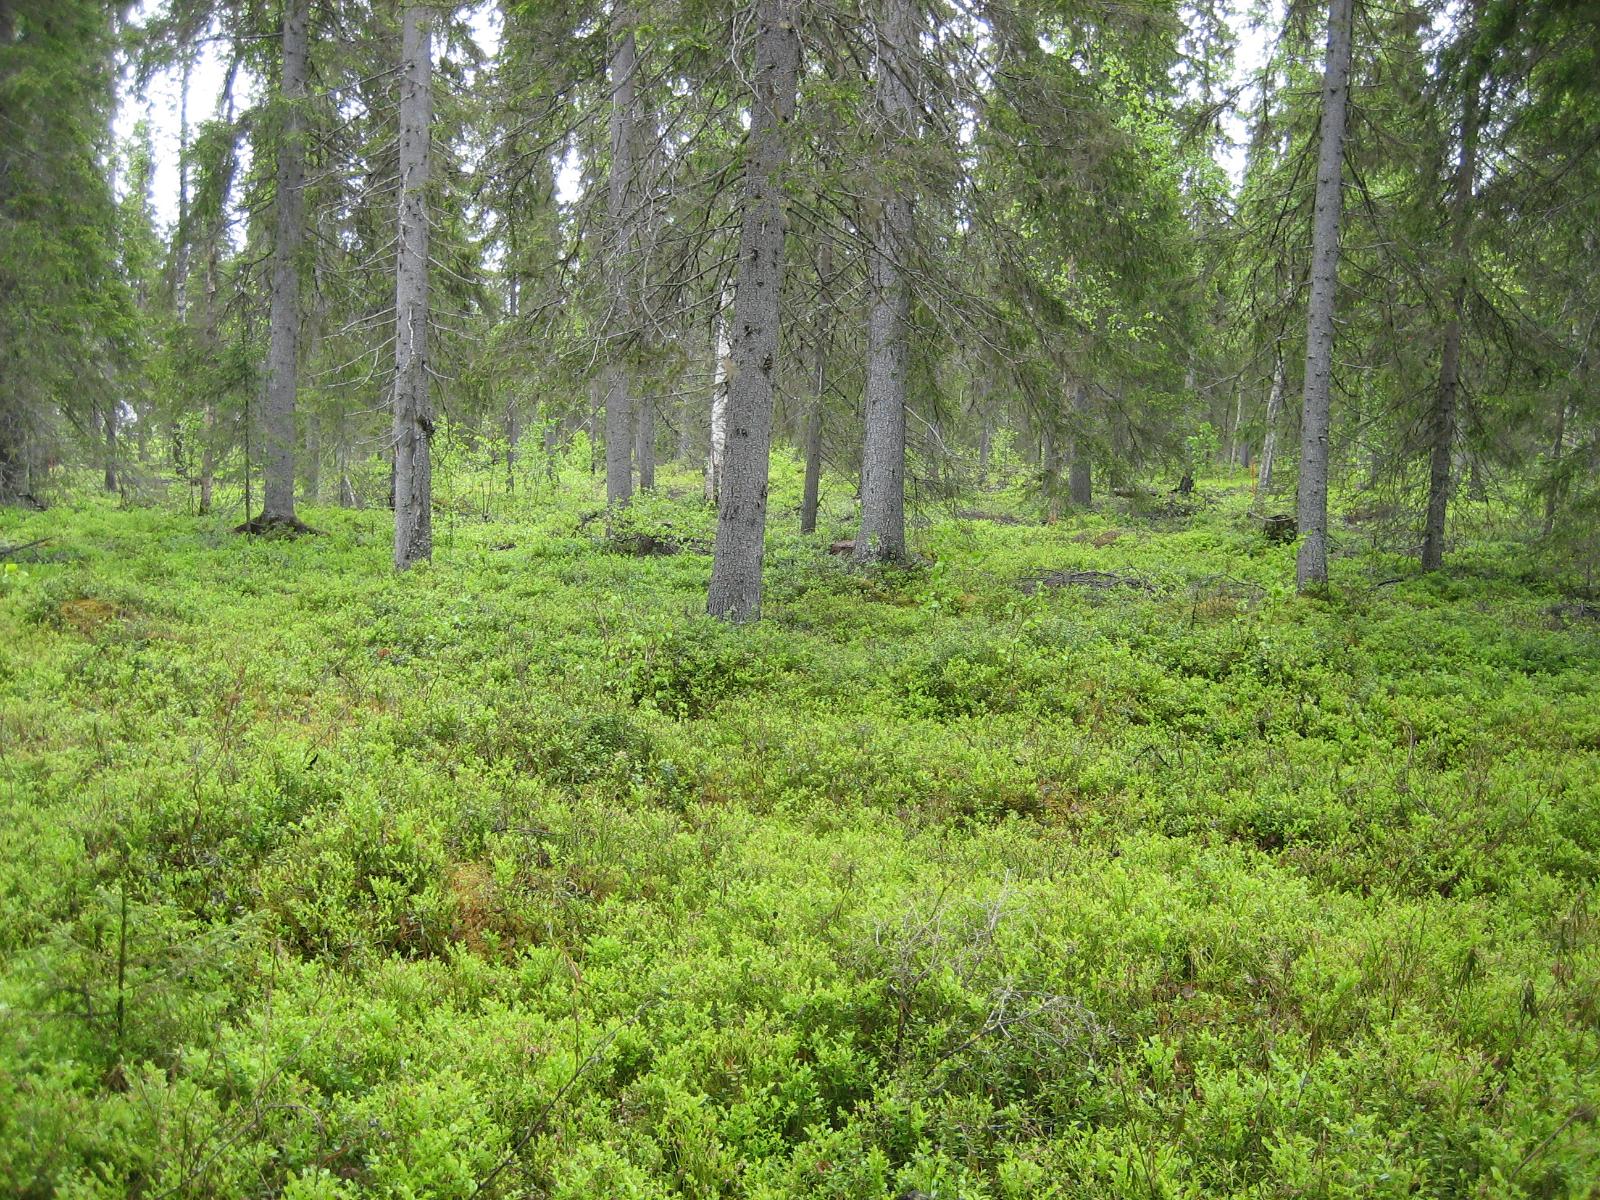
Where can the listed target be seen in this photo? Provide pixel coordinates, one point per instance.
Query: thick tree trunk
(883, 455)
(413, 410)
(735, 592)
(819, 387)
(1269, 438)
(277, 417)
(1442, 422)
(1311, 566)
(620, 200)
(1080, 475)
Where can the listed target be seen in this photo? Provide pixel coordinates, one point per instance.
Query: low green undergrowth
(518, 876)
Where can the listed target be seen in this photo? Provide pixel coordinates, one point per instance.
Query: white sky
(159, 101)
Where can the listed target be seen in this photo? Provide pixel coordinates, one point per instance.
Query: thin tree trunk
(596, 395)
(1311, 566)
(883, 455)
(722, 373)
(413, 411)
(1080, 475)
(1552, 498)
(1050, 469)
(1238, 453)
(277, 417)
(685, 422)
(552, 441)
(513, 435)
(644, 450)
(1442, 426)
(208, 457)
(819, 387)
(1269, 438)
(620, 198)
(313, 463)
(735, 591)
(111, 446)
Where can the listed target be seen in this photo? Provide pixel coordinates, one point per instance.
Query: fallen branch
(8, 551)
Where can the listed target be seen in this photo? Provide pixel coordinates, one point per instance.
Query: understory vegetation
(1083, 859)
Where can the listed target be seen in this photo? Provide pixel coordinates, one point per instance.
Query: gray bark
(111, 446)
(620, 200)
(644, 450)
(735, 591)
(1552, 498)
(413, 410)
(1442, 425)
(277, 416)
(1269, 439)
(1311, 566)
(313, 463)
(882, 536)
(819, 379)
(1050, 468)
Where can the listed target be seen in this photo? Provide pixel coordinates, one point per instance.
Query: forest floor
(1085, 861)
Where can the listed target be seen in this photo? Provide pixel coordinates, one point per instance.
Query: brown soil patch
(87, 614)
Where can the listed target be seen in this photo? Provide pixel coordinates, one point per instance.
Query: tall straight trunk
(597, 387)
(1080, 475)
(735, 591)
(644, 448)
(1311, 565)
(1552, 498)
(722, 373)
(883, 454)
(277, 414)
(513, 435)
(1269, 438)
(313, 463)
(552, 441)
(1238, 452)
(1050, 468)
(1442, 423)
(685, 422)
(620, 200)
(208, 456)
(413, 411)
(180, 266)
(111, 446)
(819, 387)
